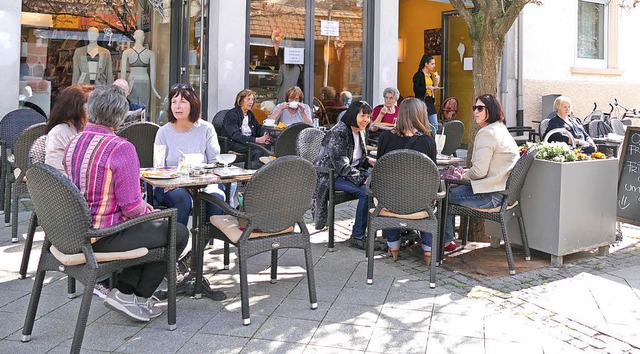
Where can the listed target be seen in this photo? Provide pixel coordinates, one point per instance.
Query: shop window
(70, 42)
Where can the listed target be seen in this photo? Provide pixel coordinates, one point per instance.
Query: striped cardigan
(106, 169)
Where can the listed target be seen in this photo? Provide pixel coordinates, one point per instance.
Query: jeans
(360, 225)
(143, 279)
(463, 195)
(433, 120)
(181, 199)
(393, 239)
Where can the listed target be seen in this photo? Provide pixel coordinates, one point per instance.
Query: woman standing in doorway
(425, 83)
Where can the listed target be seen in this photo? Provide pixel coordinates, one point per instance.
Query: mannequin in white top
(139, 58)
(92, 63)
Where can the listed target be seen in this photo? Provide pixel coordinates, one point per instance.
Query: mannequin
(92, 63)
(139, 58)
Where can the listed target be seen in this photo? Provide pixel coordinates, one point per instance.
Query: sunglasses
(185, 86)
(479, 108)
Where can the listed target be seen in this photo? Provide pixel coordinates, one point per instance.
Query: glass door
(456, 64)
(188, 43)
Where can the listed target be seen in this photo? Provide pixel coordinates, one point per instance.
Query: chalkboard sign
(629, 178)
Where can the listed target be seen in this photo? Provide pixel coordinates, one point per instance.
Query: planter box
(567, 207)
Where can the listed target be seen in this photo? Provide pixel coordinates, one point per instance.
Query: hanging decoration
(338, 43)
(276, 39)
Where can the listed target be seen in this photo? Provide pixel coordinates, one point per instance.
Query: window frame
(595, 63)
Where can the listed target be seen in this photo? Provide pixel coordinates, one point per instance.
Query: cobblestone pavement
(588, 305)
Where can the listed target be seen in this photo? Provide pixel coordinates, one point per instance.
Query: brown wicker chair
(405, 199)
(64, 216)
(273, 207)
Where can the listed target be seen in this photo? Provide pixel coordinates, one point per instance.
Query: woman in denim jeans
(494, 155)
(343, 149)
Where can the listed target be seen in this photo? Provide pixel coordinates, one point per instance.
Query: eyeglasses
(184, 86)
(479, 108)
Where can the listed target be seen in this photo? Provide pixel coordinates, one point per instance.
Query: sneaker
(152, 305)
(360, 243)
(451, 246)
(126, 304)
(100, 290)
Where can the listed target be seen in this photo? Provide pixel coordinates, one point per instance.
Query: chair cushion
(230, 227)
(414, 216)
(78, 258)
(494, 210)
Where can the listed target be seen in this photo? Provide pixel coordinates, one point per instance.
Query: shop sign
(112, 20)
(66, 21)
(329, 28)
(294, 55)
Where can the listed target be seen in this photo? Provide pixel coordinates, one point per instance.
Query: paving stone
(162, 339)
(284, 329)
(259, 346)
(364, 315)
(212, 343)
(343, 336)
(453, 343)
(104, 336)
(387, 340)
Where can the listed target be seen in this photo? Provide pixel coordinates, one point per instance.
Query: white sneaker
(152, 305)
(100, 290)
(126, 304)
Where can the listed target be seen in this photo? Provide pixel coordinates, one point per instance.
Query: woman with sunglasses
(186, 133)
(343, 150)
(494, 155)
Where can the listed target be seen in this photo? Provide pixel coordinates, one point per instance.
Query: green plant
(555, 151)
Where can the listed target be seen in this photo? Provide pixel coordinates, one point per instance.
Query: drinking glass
(440, 141)
(226, 159)
(183, 167)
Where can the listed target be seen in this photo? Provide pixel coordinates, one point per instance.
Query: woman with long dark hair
(425, 84)
(343, 149)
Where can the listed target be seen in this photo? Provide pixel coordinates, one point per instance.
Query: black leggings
(143, 279)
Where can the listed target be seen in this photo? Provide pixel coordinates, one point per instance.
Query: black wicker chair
(308, 147)
(285, 144)
(20, 165)
(11, 126)
(273, 208)
(64, 216)
(405, 199)
(223, 140)
(508, 209)
(36, 155)
(142, 135)
(453, 130)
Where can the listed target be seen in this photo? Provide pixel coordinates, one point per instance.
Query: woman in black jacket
(241, 126)
(425, 83)
(343, 149)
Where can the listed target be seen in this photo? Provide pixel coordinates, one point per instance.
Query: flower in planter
(598, 155)
(554, 151)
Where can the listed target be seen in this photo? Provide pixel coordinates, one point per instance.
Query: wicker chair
(320, 112)
(308, 147)
(285, 145)
(404, 198)
(11, 126)
(142, 135)
(454, 131)
(508, 209)
(65, 217)
(16, 181)
(274, 208)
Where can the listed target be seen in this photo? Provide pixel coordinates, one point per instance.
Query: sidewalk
(590, 305)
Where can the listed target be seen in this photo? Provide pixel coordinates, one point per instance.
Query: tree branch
(505, 21)
(463, 10)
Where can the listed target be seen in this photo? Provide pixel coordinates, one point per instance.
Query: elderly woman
(412, 132)
(494, 155)
(293, 110)
(579, 137)
(343, 149)
(387, 112)
(105, 168)
(425, 84)
(241, 126)
(186, 133)
(68, 117)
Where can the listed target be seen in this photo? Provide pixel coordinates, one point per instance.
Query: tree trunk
(487, 52)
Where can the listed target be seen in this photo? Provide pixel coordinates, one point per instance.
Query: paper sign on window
(294, 55)
(329, 28)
